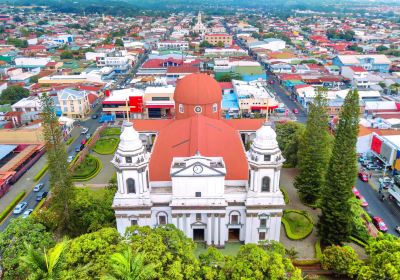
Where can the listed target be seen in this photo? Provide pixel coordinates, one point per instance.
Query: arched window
(181, 108)
(265, 187)
(215, 108)
(131, 185)
(162, 218)
(234, 218)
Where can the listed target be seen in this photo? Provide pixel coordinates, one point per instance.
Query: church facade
(198, 175)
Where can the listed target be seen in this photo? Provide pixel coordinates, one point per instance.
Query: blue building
(373, 62)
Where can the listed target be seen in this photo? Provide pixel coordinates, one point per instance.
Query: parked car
(355, 191)
(271, 82)
(386, 180)
(70, 159)
(363, 201)
(40, 196)
(397, 229)
(396, 179)
(363, 176)
(20, 207)
(84, 130)
(371, 166)
(78, 149)
(94, 116)
(364, 163)
(27, 213)
(380, 224)
(88, 136)
(38, 187)
(295, 111)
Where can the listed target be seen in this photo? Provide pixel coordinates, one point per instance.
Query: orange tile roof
(211, 137)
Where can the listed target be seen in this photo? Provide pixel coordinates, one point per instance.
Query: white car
(27, 213)
(84, 130)
(38, 187)
(386, 180)
(70, 158)
(20, 207)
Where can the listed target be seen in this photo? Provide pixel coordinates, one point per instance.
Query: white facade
(199, 200)
(173, 45)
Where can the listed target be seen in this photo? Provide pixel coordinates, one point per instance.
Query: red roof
(289, 77)
(225, 85)
(183, 69)
(210, 137)
(357, 69)
(197, 89)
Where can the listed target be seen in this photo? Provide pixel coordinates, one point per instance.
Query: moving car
(27, 213)
(20, 207)
(84, 130)
(371, 166)
(88, 136)
(271, 82)
(295, 111)
(94, 116)
(70, 159)
(363, 176)
(386, 180)
(38, 187)
(363, 201)
(380, 224)
(40, 196)
(355, 191)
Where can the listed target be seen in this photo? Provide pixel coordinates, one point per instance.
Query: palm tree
(125, 266)
(46, 265)
(292, 254)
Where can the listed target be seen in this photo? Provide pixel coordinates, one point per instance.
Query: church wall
(188, 186)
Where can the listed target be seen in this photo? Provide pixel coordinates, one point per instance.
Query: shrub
(106, 146)
(341, 260)
(38, 206)
(11, 206)
(358, 241)
(87, 169)
(41, 173)
(285, 195)
(306, 262)
(318, 250)
(298, 224)
(69, 141)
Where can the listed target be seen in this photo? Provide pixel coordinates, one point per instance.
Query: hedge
(285, 195)
(39, 205)
(358, 241)
(306, 262)
(294, 236)
(39, 175)
(318, 250)
(91, 175)
(11, 206)
(69, 141)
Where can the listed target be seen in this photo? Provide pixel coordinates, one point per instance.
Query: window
(198, 194)
(215, 108)
(263, 223)
(134, 223)
(261, 236)
(198, 217)
(128, 159)
(131, 185)
(265, 187)
(267, 157)
(162, 220)
(181, 108)
(235, 219)
(160, 98)
(64, 102)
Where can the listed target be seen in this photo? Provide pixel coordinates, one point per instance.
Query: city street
(30, 198)
(387, 210)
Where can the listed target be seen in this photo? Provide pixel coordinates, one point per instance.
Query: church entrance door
(198, 234)
(234, 234)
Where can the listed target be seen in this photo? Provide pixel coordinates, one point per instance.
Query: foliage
(69, 141)
(46, 265)
(106, 146)
(355, 48)
(358, 241)
(341, 260)
(166, 247)
(314, 151)
(318, 250)
(297, 224)
(11, 205)
(359, 223)
(13, 94)
(228, 77)
(87, 256)
(88, 169)
(34, 79)
(41, 173)
(381, 48)
(252, 262)
(12, 245)
(66, 55)
(60, 180)
(288, 137)
(347, 35)
(205, 44)
(212, 264)
(335, 221)
(119, 42)
(18, 43)
(126, 266)
(111, 131)
(285, 195)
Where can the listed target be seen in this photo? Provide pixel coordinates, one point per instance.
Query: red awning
(263, 107)
(158, 106)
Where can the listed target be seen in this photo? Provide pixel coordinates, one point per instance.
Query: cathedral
(197, 173)
(199, 27)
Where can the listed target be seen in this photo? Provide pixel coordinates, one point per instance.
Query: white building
(173, 45)
(271, 44)
(199, 27)
(198, 175)
(32, 61)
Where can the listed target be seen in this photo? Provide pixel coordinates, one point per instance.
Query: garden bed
(106, 146)
(87, 169)
(111, 131)
(298, 224)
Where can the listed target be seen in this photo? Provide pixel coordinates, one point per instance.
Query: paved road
(387, 210)
(91, 124)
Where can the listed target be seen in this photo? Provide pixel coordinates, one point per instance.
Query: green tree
(66, 55)
(12, 245)
(166, 247)
(342, 261)
(212, 265)
(228, 77)
(205, 44)
(119, 42)
(395, 87)
(381, 48)
(34, 79)
(289, 135)
(60, 179)
(13, 94)
(335, 221)
(220, 44)
(46, 265)
(17, 42)
(126, 266)
(314, 151)
(252, 262)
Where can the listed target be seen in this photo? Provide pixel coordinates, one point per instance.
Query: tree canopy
(13, 94)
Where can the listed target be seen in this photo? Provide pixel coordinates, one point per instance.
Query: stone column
(180, 222)
(209, 230)
(216, 230)
(188, 229)
(222, 230)
(247, 234)
(175, 220)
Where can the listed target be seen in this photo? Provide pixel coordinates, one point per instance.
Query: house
(370, 62)
(74, 103)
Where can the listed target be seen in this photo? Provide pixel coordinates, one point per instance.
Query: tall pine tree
(335, 222)
(61, 185)
(314, 151)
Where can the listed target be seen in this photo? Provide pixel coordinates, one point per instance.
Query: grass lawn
(110, 131)
(231, 249)
(106, 146)
(87, 167)
(299, 224)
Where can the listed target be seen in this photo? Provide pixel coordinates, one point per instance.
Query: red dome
(197, 89)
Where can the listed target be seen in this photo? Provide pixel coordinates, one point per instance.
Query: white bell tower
(264, 199)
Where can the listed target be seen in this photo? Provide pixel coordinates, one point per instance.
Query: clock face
(197, 169)
(197, 109)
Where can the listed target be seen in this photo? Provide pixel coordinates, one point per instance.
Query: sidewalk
(25, 183)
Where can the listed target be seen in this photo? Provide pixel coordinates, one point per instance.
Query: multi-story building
(198, 175)
(74, 103)
(370, 62)
(216, 38)
(173, 45)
